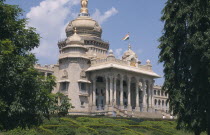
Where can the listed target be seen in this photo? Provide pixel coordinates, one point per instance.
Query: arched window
(159, 102)
(154, 92)
(158, 93)
(162, 93)
(162, 102)
(155, 102)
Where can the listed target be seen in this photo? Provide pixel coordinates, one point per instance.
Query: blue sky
(117, 17)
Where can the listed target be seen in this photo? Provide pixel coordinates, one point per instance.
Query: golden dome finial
(84, 5)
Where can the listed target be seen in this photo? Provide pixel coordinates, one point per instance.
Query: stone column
(94, 94)
(149, 97)
(115, 91)
(107, 94)
(144, 106)
(90, 97)
(111, 90)
(129, 94)
(137, 109)
(152, 96)
(121, 93)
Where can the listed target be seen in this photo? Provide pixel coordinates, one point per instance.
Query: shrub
(20, 131)
(64, 130)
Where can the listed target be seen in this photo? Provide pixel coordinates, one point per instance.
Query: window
(162, 102)
(100, 79)
(158, 93)
(83, 86)
(155, 101)
(49, 74)
(97, 93)
(82, 103)
(162, 93)
(154, 92)
(64, 86)
(62, 99)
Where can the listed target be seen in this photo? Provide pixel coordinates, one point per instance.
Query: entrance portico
(123, 90)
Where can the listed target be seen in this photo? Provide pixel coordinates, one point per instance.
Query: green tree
(60, 104)
(185, 53)
(24, 95)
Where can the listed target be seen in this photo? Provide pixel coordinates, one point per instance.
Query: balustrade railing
(119, 62)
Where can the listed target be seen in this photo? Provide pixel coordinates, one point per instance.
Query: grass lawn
(78, 125)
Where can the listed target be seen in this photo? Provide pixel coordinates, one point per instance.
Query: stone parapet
(120, 62)
(48, 68)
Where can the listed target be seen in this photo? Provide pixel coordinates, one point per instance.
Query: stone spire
(129, 47)
(84, 8)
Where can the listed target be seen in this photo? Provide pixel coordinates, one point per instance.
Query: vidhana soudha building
(99, 83)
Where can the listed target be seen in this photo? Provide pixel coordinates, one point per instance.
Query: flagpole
(129, 42)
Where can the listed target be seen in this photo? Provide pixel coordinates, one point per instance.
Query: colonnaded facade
(95, 80)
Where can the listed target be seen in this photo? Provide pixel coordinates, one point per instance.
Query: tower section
(90, 31)
(82, 44)
(72, 80)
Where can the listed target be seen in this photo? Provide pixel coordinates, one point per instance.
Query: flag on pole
(126, 37)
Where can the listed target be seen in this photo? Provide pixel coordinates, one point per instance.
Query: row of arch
(96, 43)
(159, 102)
(123, 90)
(92, 49)
(160, 93)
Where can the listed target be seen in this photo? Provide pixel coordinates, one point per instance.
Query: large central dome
(88, 34)
(85, 25)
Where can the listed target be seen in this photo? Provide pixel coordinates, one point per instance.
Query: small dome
(129, 54)
(148, 62)
(85, 25)
(110, 51)
(111, 54)
(74, 39)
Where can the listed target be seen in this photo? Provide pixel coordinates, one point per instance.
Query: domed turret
(131, 57)
(129, 54)
(74, 39)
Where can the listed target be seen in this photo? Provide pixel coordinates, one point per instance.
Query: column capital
(93, 78)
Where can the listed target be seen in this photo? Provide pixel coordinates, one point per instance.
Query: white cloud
(118, 53)
(101, 18)
(50, 18)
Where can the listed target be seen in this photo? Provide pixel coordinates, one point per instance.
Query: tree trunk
(208, 116)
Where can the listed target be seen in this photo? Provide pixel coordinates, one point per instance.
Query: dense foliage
(185, 52)
(78, 125)
(24, 94)
(60, 104)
